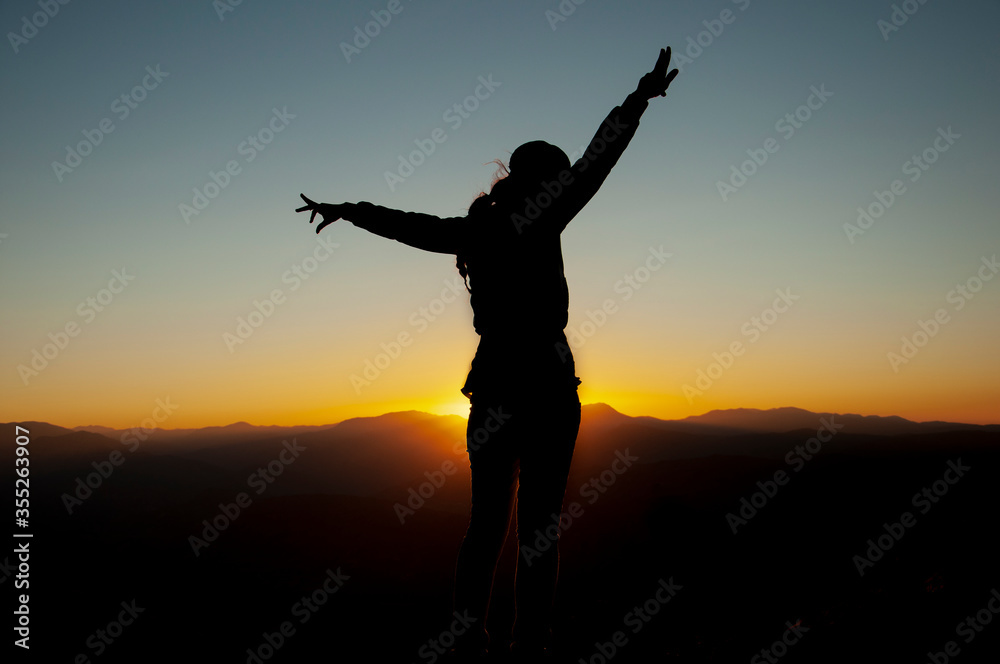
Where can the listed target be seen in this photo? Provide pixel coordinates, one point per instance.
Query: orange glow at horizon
(298, 371)
(634, 404)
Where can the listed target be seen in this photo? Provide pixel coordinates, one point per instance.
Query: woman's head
(531, 164)
(536, 162)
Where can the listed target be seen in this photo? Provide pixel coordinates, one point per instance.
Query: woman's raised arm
(615, 133)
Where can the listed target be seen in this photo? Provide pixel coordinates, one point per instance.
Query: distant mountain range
(384, 455)
(715, 422)
(789, 419)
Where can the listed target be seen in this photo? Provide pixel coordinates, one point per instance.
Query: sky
(808, 218)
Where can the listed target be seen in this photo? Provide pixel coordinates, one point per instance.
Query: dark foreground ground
(661, 523)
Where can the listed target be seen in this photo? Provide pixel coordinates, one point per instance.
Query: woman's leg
(545, 461)
(494, 465)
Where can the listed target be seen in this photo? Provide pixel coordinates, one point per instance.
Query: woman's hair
(478, 207)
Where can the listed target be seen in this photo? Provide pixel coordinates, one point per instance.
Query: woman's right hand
(328, 211)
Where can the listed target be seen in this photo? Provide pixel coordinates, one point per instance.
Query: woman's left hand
(656, 82)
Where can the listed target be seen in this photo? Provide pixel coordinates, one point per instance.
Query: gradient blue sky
(163, 335)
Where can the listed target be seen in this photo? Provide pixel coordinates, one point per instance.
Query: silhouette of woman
(525, 411)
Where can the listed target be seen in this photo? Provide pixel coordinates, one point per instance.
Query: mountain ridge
(722, 421)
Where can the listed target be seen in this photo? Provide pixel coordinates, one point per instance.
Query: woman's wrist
(636, 101)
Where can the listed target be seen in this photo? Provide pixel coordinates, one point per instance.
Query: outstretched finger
(662, 62)
(671, 76)
(307, 200)
(303, 208)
